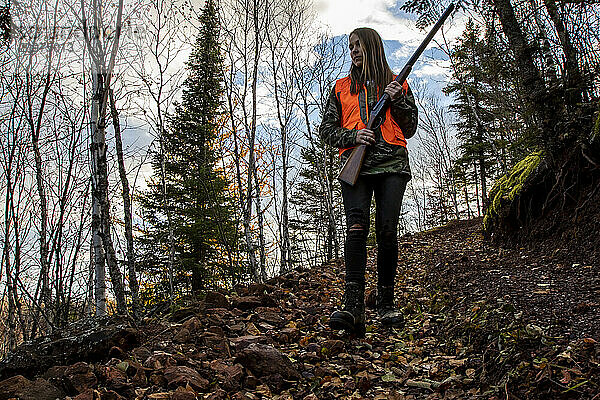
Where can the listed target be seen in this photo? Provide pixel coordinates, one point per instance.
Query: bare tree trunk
(99, 148)
(17, 267)
(483, 178)
(276, 66)
(251, 156)
(574, 78)
(6, 261)
(35, 128)
(236, 146)
(476, 179)
(539, 101)
(466, 191)
(78, 246)
(101, 223)
(45, 267)
(133, 282)
(167, 211)
(97, 234)
(261, 230)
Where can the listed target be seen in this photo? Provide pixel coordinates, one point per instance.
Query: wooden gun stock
(351, 169)
(349, 172)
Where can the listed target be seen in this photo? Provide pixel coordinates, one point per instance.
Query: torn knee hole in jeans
(356, 228)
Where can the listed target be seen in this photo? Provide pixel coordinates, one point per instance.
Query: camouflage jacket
(381, 157)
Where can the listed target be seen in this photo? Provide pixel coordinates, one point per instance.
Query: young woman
(384, 173)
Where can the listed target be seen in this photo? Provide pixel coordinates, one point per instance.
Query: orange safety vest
(351, 118)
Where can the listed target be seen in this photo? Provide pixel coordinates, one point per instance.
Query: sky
(397, 29)
(401, 38)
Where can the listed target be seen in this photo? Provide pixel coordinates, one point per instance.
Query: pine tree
(4, 23)
(481, 95)
(193, 195)
(317, 216)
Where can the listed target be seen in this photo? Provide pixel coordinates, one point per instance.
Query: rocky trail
(482, 322)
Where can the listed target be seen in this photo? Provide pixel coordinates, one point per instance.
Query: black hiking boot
(352, 316)
(388, 314)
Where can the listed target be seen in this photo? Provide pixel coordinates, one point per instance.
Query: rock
(270, 315)
(89, 394)
(183, 394)
(264, 360)
(111, 395)
(371, 299)
(56, 373)
(230, 376)
(141, 353)
(115, 379)
(79, 377)
(216, 343)
(216, 300)
(111, 375)
(246, 303)
(188, 330)
(158, 379)
(92, 394)
(159, 359)
(242, 342)
(218, 394)
(259, 288)
(139, 379)
(182, 376)
(334, 347)
(288, 335)
(23, 389)
(33, 358)
(116, 352)
(182, 313)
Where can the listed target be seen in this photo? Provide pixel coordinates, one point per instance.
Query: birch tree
(243, 26)
(102, 52)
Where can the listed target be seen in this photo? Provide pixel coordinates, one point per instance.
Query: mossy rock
(596, 130)
(508, 188)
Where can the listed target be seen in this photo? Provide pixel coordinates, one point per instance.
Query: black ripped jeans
(388, 190)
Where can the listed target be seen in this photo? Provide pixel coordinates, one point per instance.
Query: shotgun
(351, 169)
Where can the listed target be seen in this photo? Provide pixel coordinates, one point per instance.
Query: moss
(596, 130)
(510, 186)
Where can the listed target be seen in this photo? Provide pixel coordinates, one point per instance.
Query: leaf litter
(482, 322)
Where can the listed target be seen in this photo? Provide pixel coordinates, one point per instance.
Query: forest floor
(482, 322)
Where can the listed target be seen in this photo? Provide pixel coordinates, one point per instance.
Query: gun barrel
(430, 36)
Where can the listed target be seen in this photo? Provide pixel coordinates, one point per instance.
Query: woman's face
(356, 53)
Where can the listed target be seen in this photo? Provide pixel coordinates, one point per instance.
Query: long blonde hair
(375, 67)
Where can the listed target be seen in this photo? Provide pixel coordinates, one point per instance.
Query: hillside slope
(483, 322)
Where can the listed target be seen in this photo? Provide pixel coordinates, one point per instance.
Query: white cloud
(434, 69)
(342, 16)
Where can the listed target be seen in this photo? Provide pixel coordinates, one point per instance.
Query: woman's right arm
(331, 130)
